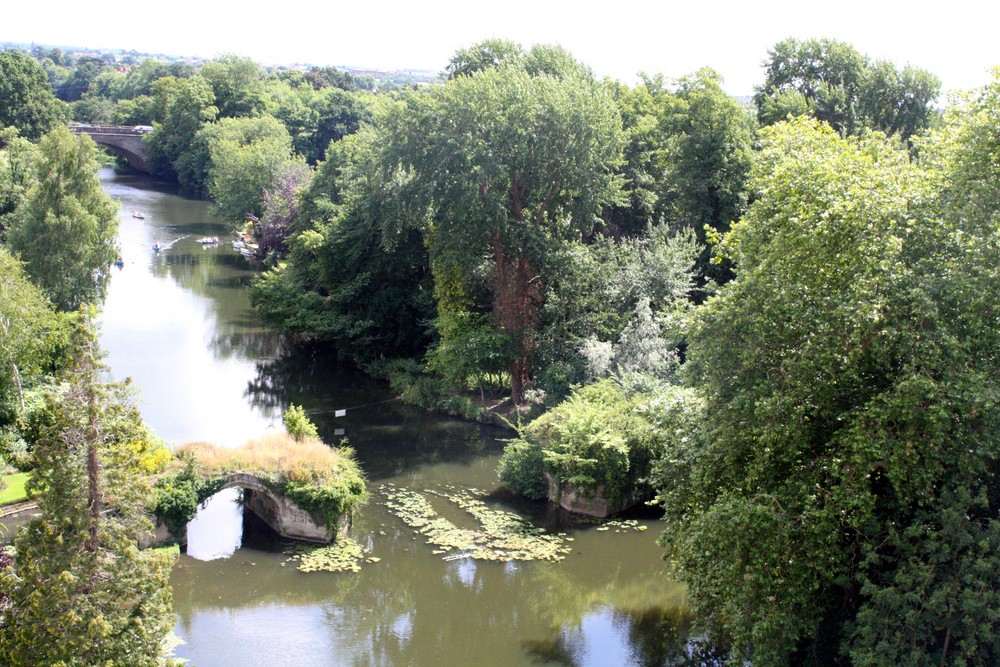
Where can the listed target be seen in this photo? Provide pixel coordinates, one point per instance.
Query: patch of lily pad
(501, 536)
(344, 555)
(623, 526)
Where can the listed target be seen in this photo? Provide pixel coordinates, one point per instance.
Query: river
(179, 324)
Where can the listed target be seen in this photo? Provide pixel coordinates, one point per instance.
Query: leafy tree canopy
(65, 230)
(835, 83)
(26, 98)
(851, 426)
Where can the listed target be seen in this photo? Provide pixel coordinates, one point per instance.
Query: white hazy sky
(955, 40)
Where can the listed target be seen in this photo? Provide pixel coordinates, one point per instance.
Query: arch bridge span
(280, 513)
(124, 140)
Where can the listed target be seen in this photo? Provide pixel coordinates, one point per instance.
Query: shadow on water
(388, 436)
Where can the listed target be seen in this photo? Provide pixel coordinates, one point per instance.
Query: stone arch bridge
(123, 140)
(280, 513)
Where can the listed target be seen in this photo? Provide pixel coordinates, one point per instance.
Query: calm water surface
(179, 324)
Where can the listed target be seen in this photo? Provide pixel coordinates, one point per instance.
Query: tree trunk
(515, 311)
(93, 467)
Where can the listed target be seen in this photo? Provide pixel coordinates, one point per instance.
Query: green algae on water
(501, 536)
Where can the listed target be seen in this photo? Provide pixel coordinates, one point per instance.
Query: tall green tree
(26, 98)
(238, 85)
(708, 164)
(505, 165)
(832, 81)
(65, 231)
(349, 278)
(17, 174)
(247, 158)
(81, 590)
(182, 107)
(28, 329)
(839, 502)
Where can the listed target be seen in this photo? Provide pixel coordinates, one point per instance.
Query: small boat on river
(156, 247)
(138, 215)
(119, 262)
(209, 240)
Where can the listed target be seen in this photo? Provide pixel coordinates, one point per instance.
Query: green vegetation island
(776, 320)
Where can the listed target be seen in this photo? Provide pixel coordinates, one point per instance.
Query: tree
(839, 501)
(281, 210)
(708, 164)
(504, 165)
(348, 279)
(79, 82)
(831, 81)
(65, 230)
(238, 85)
(338, 114)
(26, 98)
(298, 425)
(27, 329)
(185, 105)
(248, 156)
(826, 72)
(898, 102)
(17, 174)
(81, 590)
(487, 54)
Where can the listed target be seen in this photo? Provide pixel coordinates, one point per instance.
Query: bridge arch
(123, 140)
(280, 513)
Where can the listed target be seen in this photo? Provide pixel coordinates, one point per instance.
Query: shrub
(521, 468)
(298, 425)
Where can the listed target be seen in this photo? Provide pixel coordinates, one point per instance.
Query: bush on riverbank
(601, 442)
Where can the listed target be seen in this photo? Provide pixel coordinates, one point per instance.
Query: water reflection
(179, 321)
(180, 324)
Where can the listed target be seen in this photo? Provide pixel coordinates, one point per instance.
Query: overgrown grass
(276, 453)
(13, 488)
(324, 480)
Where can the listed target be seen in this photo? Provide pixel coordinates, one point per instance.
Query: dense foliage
(811, 391)
(81, 591)
(840, 500)
(26, 99)
(834, 83)
(65, 229)
(601, 441)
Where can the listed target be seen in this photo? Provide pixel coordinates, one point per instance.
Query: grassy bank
(12, 488)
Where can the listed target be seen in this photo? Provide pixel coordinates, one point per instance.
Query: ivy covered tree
(839, 501)
(503, 166)
(81, 591)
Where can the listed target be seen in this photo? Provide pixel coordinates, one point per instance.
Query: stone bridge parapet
(123, 140)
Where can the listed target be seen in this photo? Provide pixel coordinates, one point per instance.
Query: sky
(615, 38)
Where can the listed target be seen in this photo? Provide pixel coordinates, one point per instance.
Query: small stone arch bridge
(280, 513)
(123, 140)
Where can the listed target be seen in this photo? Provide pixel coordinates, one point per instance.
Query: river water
(179, 324)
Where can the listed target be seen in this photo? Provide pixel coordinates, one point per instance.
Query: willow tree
(502, 166)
